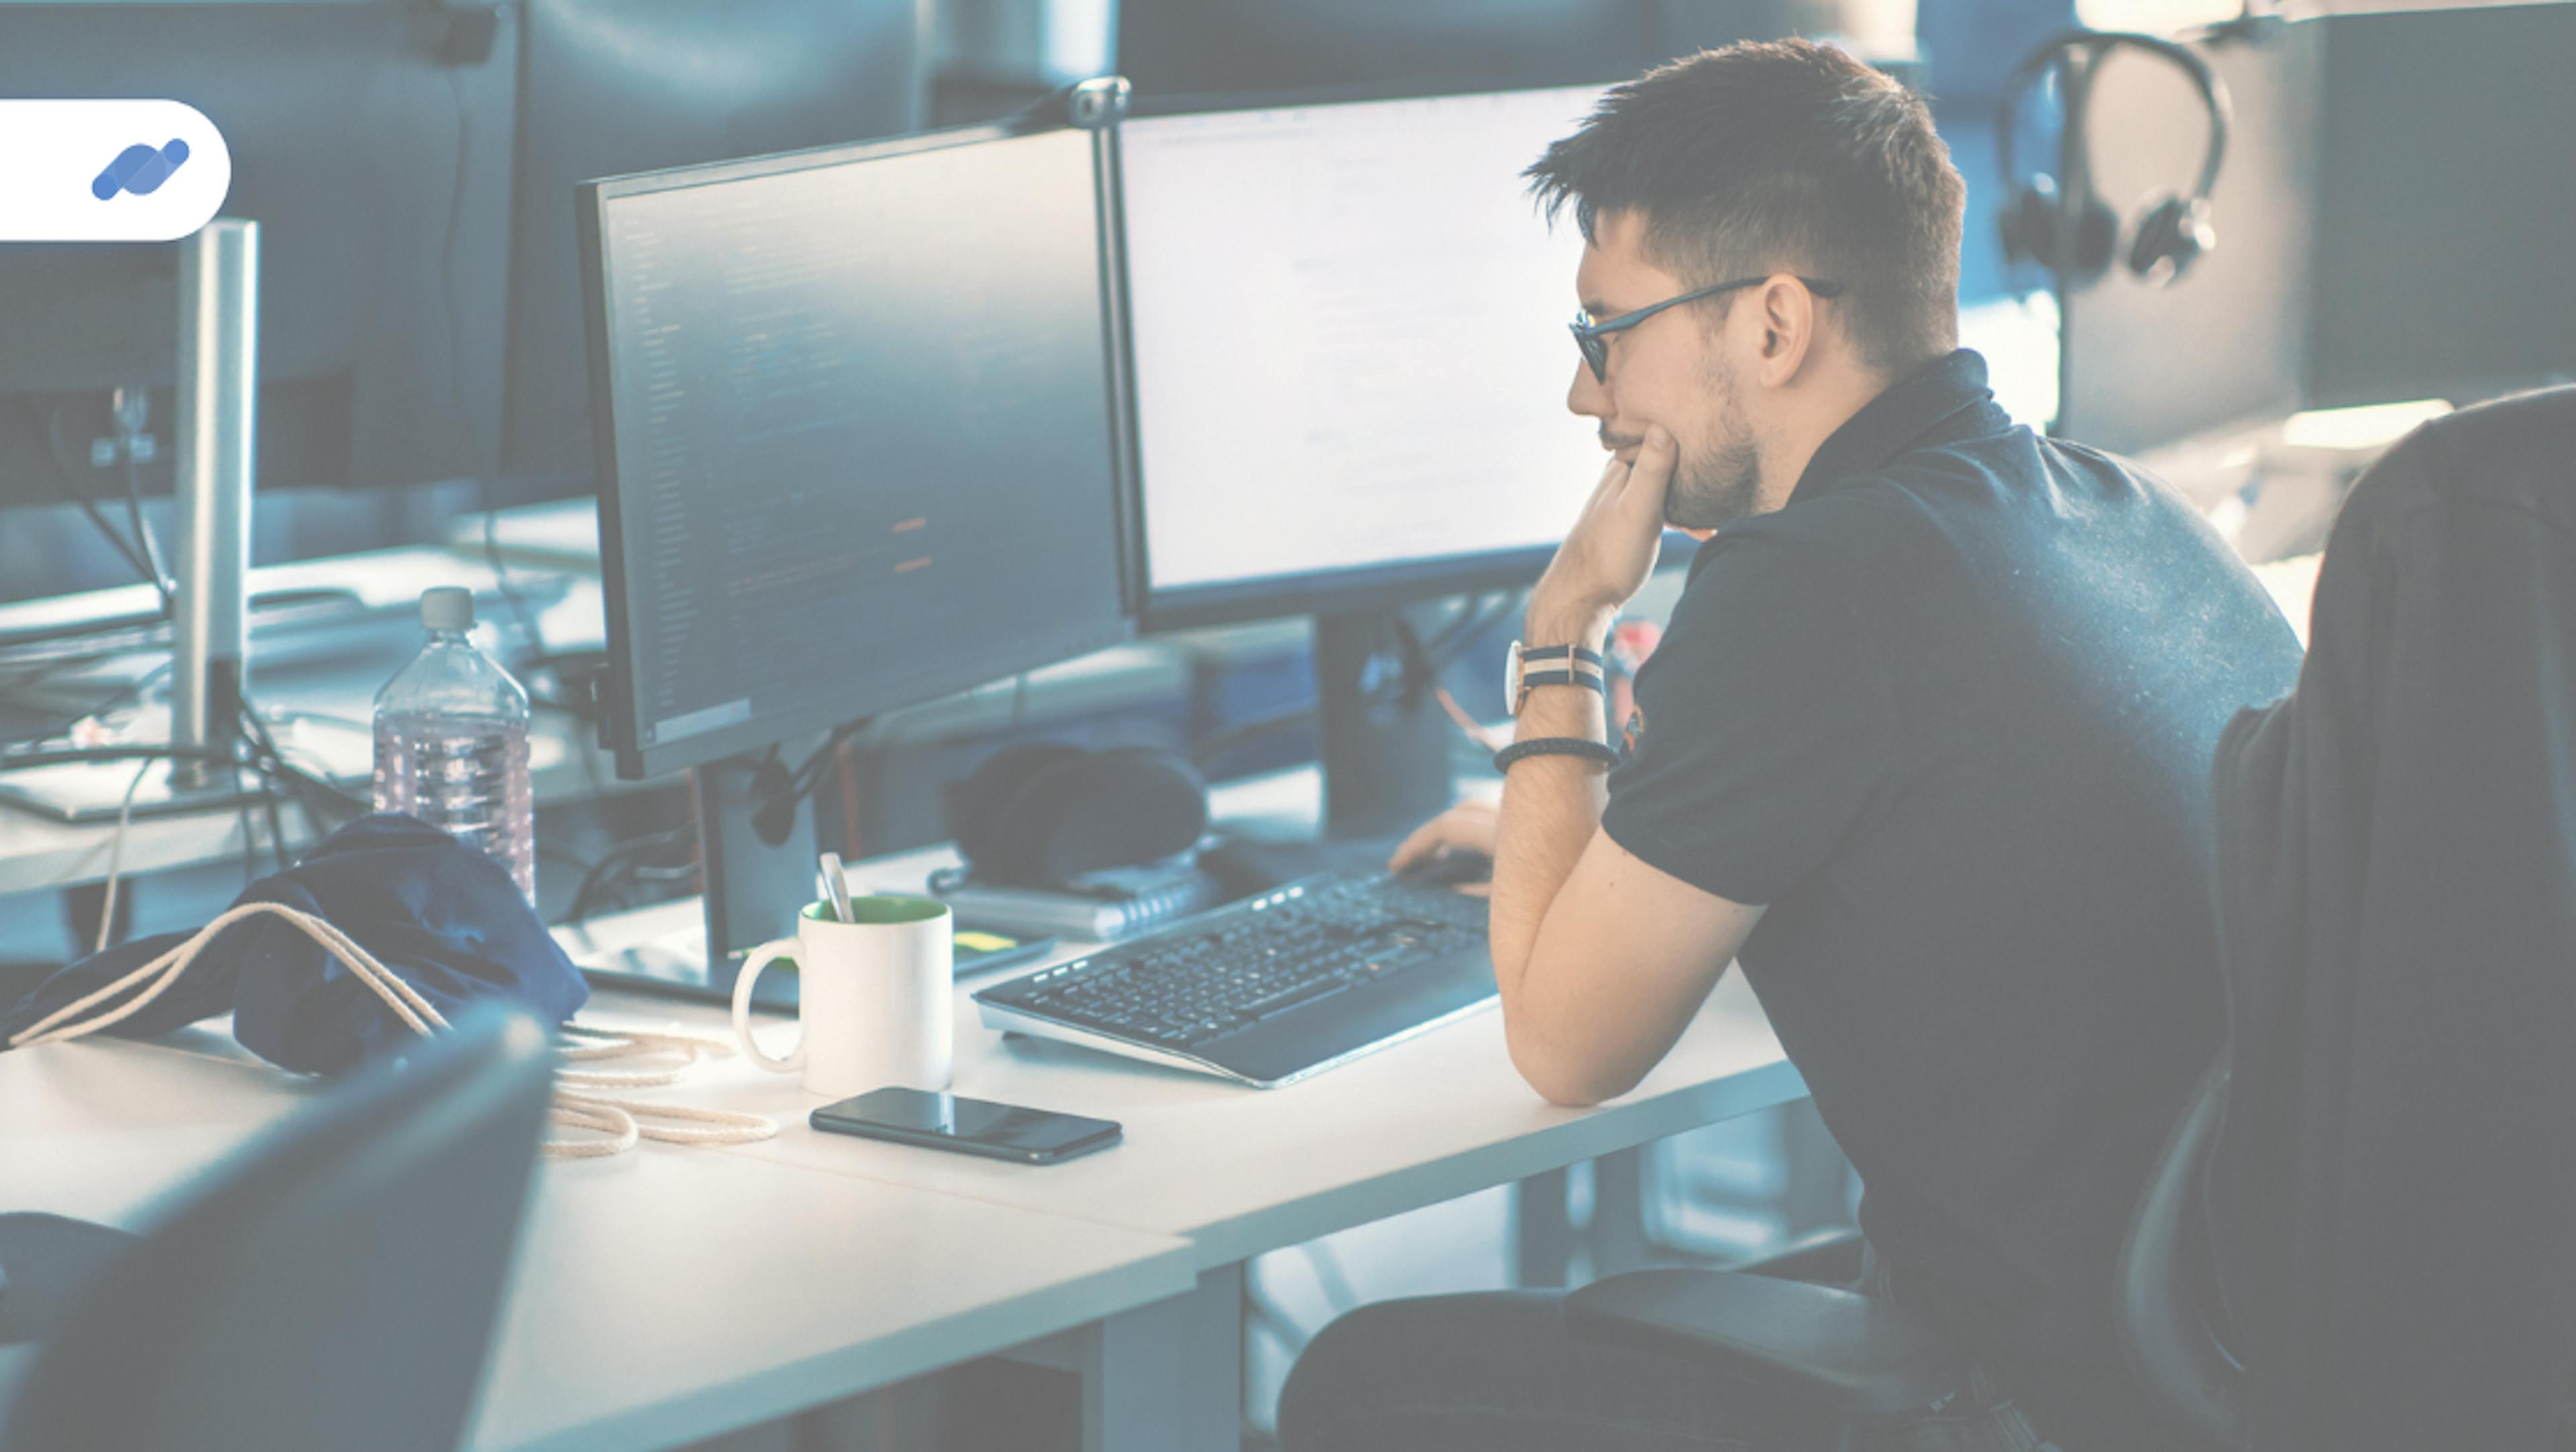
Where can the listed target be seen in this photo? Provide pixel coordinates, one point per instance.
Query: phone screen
(921, 1117)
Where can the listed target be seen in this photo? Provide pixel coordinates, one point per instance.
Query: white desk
(671, 1294)
(638, 1321)
(1241, 1171)
(660, 1297)
(1234, 1171)
(1238, 1171)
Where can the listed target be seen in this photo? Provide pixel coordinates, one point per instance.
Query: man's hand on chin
(1605, 560)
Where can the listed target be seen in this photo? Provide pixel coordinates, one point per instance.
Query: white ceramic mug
(875, 996)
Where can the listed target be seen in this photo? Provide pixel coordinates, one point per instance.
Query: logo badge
(139, 169)
(109, 171)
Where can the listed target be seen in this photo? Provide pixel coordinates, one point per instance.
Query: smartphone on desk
(967, 1126)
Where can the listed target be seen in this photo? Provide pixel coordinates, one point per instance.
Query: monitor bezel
(621, 722)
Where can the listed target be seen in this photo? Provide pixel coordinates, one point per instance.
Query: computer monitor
(2143, 364)
(854, 416)
(373, 147)
(615, 87)
(2444, 206)
(2390, 224)
(1347, 325)
(1226, 47)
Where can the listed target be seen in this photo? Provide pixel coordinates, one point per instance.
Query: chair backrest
(2165, 1296)
(333, 1287)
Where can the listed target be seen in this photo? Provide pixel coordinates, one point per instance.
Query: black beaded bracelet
(1555, 746)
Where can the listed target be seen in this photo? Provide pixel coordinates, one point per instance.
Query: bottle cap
(448, 607)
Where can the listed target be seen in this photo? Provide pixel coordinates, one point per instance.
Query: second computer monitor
(1348, 332)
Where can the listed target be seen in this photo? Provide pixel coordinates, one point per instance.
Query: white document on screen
(1350, 335)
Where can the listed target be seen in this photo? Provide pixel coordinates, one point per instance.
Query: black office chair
(334, 1287)
(1877, 1362)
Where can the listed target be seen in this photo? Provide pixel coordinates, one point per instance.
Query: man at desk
(1925, 747)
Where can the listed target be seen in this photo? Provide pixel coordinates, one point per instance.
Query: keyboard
(1270, 989)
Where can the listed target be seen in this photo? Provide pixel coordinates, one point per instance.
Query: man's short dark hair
(1780, 156)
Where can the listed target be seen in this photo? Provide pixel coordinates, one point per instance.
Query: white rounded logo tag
(109, 171)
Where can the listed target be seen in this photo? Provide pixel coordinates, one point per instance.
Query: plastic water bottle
(452, 742)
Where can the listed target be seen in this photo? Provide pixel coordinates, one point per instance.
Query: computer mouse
(1457, 867)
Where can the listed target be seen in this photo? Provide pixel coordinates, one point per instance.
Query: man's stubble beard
(1715, 485)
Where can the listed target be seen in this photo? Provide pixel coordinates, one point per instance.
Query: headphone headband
(2213, 96)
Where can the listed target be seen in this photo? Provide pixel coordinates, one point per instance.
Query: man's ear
(1789, 321)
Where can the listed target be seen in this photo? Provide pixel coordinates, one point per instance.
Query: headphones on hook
(2076, 237)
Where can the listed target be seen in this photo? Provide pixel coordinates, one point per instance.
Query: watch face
(1512, 681)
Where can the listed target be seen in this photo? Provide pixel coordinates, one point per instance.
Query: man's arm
(1601, 958)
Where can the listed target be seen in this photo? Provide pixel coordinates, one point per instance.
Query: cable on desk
(68, 481)
(780, 790)
(161, 581)
(116, 861)
(250, 843)
(627, 857)
(321, 801)
(276, 823)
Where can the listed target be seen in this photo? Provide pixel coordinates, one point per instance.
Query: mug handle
(759, 958)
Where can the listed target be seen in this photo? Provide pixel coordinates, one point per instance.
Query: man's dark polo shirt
(1950, 714)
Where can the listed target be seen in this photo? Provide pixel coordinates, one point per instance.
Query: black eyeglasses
(1594, 338)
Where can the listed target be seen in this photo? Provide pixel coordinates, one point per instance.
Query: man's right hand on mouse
(1466, 827)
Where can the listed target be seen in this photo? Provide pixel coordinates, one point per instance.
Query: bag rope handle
(623, 1121)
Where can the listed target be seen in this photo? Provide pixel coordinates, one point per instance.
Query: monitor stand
(755, 882)
(209, 601)
(1385, 738)
(757, 873)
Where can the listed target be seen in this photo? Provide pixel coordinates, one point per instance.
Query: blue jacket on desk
(442, 915)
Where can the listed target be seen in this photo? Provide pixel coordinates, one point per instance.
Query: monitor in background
(1213, 47)
(2141, 364)
(2445, 209)
(373, 146)
(854, 416)
(615, 87)
(1347, 325)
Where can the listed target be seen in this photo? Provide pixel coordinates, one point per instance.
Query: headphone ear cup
(2028, 227)
(2171, 236)
(1040, 815)
(983, 807)
(2035, 229)
(1123, 807)
(2097, 240)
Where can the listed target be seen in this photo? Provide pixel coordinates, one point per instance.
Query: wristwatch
(1519, 677)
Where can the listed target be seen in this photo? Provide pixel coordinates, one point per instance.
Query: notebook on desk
(1105, 906)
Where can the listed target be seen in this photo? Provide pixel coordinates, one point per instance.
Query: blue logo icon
(139, 169)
